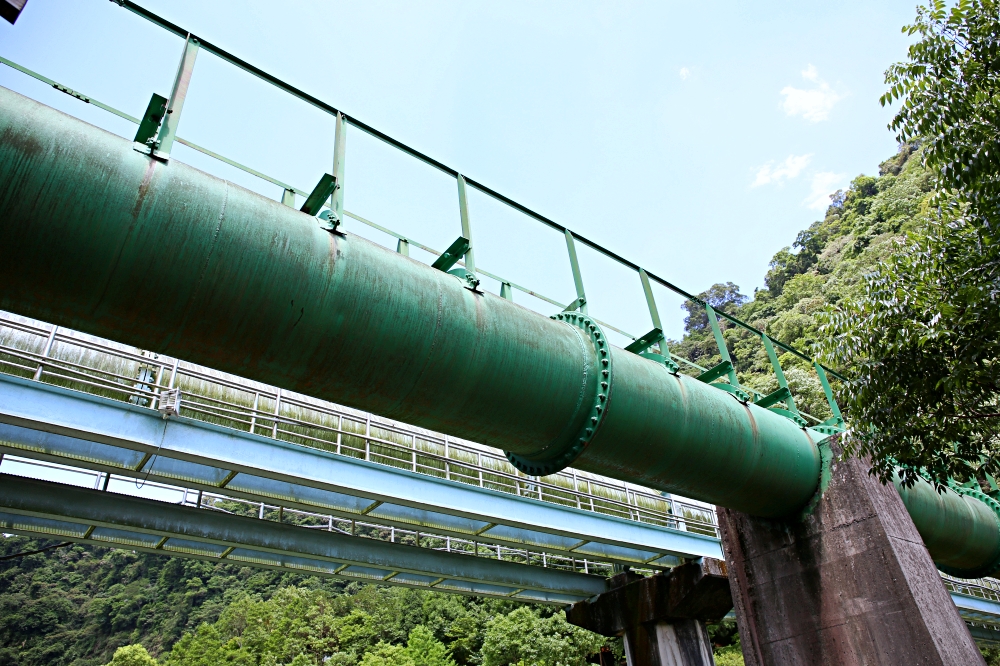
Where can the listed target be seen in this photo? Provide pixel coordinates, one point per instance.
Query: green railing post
(642, 345)
(339, 148)
(288, 197)
(837, 419)
(168, 130)
(713, 322)
(403, 247)
(581, 297)
(463, 209)
(725, 367)
(505, 291)
(783, 394)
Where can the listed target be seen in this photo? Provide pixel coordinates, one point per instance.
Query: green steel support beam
(783, 393)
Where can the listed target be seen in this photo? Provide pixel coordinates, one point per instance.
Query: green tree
(425, 650)
(132, 655)
(921, 342)
(386, 654)
(524, 636)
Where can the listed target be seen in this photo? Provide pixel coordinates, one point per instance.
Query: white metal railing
(984, 588)
(60, 356)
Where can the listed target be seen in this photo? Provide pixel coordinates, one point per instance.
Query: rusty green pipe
(98, 237)
(960, 527)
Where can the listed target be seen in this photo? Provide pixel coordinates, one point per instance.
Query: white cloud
(813, 104)
(824, 184)
(790, 168)
(685, 72)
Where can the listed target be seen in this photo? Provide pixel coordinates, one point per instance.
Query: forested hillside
(825, 264)
(76, 605)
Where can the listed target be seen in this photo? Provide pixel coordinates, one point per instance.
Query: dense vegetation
(921, 340)
(77, 605)
(825, 266)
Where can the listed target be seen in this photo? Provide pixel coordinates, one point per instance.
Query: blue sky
(695, 139)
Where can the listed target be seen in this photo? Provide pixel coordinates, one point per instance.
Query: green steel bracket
(470, 279)
(505, 291)
(581, 296)
(168, 130)
(793, 416)
(781, 395)
(644, 342)
(456, 251)
(150, 123)
(314, 202)
(288, 197)
(403, 247)
(715, 372)
(641, 346)
(740, 394)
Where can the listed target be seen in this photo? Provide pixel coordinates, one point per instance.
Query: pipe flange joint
(598, 408)
(991, 568)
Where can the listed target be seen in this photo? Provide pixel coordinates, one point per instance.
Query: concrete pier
(661, 618)
(849, 583)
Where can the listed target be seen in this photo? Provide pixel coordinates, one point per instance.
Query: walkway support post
(661, 618)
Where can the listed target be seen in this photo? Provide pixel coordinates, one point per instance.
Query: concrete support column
(849, 583)
(661, 618)
(668, 643)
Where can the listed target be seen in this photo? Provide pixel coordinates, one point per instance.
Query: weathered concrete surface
(662, 617)
(849, 584)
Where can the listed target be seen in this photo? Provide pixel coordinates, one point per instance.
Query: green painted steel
(960, 527)
(98, 237)
(101, 238)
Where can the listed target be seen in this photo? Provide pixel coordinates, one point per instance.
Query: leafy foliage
(920, 339)
(519, 637)
(132, 655)
(81, 605)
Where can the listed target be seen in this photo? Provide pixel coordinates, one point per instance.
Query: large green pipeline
(98, 237)
(960, 529)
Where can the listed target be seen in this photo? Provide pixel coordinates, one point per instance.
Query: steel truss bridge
(107, 444)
